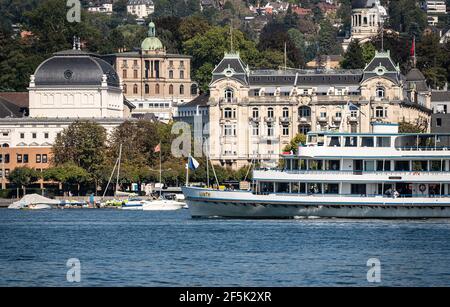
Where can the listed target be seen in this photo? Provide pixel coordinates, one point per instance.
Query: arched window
(135, 89)
(147, 89)
(304, 111)
(181, 89)
(194, 89)
(229, 94)
(228, 113)
(270, 112)
(157, 89)
(285, 112)
(255, 112)
(380, 92)
(171, 89)
(124, 88)
(5, 145)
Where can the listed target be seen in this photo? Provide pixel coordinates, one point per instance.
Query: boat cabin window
(314, 188)
(334, 165)
(316, 165)
(298, 187)
(369, 166)
(401, 166)
(267, 187)
(282, 187)
(334, 141)
(359, 189)
(312, 138)
(367, 141)
(351, 141)
(383, 165)
(437, 166)
(383, 141)
(421, 166)
(331, 188)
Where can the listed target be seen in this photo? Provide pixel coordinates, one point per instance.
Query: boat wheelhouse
(383, 174)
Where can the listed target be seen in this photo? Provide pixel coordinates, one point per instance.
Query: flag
(412, 51)
(193, 164)
(352, 107)
(157, 148)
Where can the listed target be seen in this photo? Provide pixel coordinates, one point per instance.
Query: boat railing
(351, 172)
(423, 148)
(330, 195)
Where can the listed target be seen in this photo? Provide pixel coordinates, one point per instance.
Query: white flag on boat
(193, 164)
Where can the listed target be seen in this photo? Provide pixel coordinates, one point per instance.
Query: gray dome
(75, 68)
(362, 4)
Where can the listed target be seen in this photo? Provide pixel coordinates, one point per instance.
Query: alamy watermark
(74, 272)
(374, 273)
(74, 12)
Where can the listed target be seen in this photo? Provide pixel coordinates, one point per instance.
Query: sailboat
(126, 204)
(163, 203)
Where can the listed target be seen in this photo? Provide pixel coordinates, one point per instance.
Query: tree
(22, 177)
(368, 52)
(353, 58)
(405, 127)
(67, 174)
(295, 142)
(82, 143)
(328, 43)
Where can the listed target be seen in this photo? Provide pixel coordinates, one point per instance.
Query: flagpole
(187, 171)
(160, 170)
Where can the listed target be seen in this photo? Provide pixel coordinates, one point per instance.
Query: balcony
(353, 119)
(254, 119)
(269, 119)
(337, 119)
(285, 119)
(228, 100)
(322, 119)
(304, 119)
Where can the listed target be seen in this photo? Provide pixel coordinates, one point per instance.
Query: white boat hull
(162, 205)
(39, 207)
(230, 204)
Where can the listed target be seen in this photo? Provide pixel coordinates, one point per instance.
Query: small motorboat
(133, 204)
(34, 202)
(164, 203)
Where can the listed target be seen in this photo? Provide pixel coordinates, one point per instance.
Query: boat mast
(118, 168)
(160, 170)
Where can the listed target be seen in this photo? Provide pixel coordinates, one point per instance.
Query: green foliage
(406, 16)
(295, 142)
(406, 127)
(83, 143)
(23, 176)
(353, 58)
(368, 52)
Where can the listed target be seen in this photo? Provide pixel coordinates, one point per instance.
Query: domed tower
(152, 44)
(75, 83)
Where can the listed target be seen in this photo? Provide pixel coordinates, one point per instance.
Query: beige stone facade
(255, 114)
(154, 81)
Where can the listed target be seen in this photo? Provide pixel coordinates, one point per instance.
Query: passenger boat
(383, 174)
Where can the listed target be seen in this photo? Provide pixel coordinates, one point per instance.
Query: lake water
(125, 248)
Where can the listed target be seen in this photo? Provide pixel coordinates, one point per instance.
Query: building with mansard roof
(253, 114)
(71, 85)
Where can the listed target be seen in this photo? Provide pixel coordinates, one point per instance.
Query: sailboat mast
(160, 170)
(118, 168)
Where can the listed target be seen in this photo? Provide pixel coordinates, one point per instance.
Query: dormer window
(228, 72)
(380, 70)
(380, 92)
(229, 94)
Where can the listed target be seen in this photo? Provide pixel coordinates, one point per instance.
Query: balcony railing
(254, 119)
(228, 100)
(337, 118)
(304, 119)
(269, 119)
(352, 119)
(285, 119)
(322, 118)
